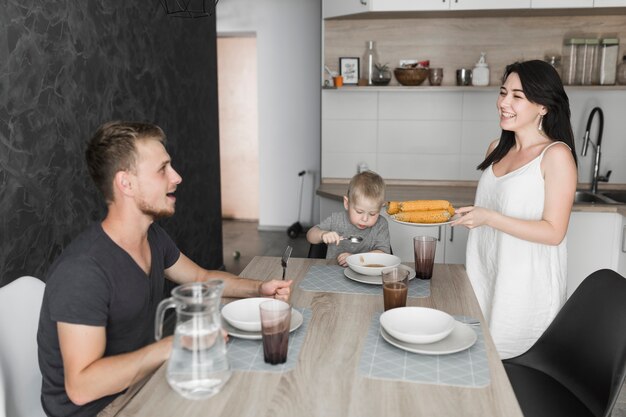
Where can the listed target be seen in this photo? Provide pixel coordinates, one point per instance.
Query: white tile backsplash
(346, 136)
(443, 135)
(404, 105)
(353, 105)
(345, 164)
(418, 166)
(404, 136)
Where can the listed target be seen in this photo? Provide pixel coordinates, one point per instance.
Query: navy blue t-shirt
(96, 283)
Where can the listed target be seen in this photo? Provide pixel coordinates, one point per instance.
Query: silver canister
(464, 76)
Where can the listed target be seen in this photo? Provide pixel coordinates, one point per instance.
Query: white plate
(417, 324)
(375, 280)
(296, 322)
(453, 218)
(461, 338)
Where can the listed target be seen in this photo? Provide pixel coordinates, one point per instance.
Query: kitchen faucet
(597, 147)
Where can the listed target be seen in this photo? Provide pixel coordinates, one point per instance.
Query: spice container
(608, 60)
(480, 74)
(588, 68)
(621, 71)
(571, 46)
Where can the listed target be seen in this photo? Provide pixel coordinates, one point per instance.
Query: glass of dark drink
(275, 323)
(424, 256)
(395, 287)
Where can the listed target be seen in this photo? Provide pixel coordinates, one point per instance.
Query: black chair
(318, 251)
(577, 366)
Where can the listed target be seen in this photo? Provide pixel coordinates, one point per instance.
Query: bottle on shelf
(480, 74)
(370, 59)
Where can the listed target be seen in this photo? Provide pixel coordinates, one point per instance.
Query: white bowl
(359, 261)
(417, 324)
(244, 314)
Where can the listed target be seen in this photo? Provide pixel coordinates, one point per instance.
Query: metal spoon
(353, 239)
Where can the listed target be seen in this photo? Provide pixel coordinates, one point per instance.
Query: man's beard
(148, 210)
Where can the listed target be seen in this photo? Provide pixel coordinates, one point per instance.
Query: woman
(516, 253)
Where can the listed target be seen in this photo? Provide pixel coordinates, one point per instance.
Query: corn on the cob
(421, 205)
(451, 210)
(393, 207)
(423, 216)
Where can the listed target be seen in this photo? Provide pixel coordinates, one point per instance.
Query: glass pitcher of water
(198, 367)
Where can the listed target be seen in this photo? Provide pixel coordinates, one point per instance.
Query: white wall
(443, 135)
(289, 60)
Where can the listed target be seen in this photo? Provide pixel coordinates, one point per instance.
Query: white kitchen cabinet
(338, 8)
(456, 244)
(609, 3)
(451, 241)
(594, 241)
(560, 4)
(489, 4)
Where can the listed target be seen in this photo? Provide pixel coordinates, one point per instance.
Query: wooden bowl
(411, 76)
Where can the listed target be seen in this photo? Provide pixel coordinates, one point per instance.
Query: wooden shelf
(452, 88)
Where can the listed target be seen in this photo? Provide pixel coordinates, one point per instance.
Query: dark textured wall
(66, 67)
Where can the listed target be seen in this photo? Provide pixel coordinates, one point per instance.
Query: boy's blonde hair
(367, 184)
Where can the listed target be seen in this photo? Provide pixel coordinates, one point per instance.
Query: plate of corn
(421, 212)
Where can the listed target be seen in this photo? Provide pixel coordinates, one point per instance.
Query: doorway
(238, 119)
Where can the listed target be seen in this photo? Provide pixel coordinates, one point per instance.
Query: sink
(617, 196)
(590, 198)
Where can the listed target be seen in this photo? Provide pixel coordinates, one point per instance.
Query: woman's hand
(472, 216)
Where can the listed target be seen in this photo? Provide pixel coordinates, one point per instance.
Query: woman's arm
(559, 170)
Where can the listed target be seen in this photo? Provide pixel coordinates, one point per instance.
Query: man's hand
(281, 290)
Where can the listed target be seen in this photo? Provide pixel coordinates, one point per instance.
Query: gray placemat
(247, 355)
(468, 368)
(330, 278)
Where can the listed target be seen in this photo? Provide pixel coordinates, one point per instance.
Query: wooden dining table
(325, 380)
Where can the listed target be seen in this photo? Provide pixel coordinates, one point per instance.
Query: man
(97, 318)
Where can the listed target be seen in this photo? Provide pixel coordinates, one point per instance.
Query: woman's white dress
(520, 285)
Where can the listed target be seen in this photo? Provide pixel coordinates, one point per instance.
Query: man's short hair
(367, 184)
(113, 148)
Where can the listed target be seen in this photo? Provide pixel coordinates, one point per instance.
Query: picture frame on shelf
(349, 70)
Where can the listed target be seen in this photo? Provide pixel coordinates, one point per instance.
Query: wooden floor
(243, 241)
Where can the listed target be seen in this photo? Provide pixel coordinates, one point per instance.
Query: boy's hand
(341, 259)
(331, 237)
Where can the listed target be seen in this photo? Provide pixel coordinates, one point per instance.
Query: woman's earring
(540, 127)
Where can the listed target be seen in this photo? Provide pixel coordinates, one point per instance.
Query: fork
(285, 258)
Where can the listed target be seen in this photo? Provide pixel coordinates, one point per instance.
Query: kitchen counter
(459, 193)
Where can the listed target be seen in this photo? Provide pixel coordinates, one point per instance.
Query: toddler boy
(365, 199)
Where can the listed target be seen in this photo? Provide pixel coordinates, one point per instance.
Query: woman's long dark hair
(542, 85)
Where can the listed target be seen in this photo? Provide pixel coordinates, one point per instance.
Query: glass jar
(621, 71)
(370, 58)
(589, 65)
(480, 74)
(609, 48)
(571, 47)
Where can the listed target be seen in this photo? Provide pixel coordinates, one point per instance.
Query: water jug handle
(158, 319)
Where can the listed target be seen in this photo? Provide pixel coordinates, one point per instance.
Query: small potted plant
(381, 74)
